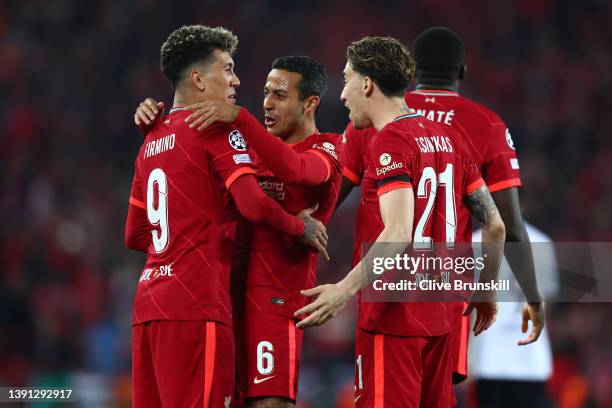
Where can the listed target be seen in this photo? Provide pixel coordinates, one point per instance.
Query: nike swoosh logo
(260, 380)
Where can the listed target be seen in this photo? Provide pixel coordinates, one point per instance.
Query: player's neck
(385, 110)
(442, 84)
(184, 98)
(305, 129)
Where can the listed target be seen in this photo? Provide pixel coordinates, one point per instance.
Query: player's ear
(462, 72)
(198, 79)
(368, 86)
(311, 103)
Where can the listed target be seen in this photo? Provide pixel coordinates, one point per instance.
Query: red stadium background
(72, 74)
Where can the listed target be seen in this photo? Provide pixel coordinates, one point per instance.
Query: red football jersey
(181, 180)
(432, 159)
(279, 267)
(493, 148)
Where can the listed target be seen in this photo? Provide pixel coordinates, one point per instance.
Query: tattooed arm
(482, 207)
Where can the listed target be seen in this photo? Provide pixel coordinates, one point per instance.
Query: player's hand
(315, 234)
(147, 112)
(210, 111)
(535, 313)
(330, 301)
(486, 311)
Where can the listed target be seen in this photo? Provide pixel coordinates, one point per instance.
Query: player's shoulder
(398, 134)
(477, 110)
(403, 124)
(335, 138)
(356, 135)
(331, 143)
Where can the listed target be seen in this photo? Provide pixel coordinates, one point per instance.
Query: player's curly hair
(191, 45)
(385, 60)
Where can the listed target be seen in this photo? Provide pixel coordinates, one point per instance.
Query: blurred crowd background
(72, 74)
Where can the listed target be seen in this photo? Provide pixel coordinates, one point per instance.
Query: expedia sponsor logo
(274, 189)
(385, 159)
(327, 148)
(392, 166)
(157, 272)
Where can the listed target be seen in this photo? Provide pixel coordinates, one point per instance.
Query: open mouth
(232, 99)
(269, 121)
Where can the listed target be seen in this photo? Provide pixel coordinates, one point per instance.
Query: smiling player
(403, 348)
(297, 166)
(182, 215)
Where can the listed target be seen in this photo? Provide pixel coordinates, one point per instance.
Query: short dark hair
(384, 59)
(191, 45)
(440, 51)
(314, 77)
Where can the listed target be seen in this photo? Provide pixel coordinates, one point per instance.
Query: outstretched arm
(310, 167)
(397, 212)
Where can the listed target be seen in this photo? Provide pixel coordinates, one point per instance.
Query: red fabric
(137, 229)
(355, 160)
(258, 208)
(284, 355)
(279, 267)
(279, 157)
(493, 148)
(404, 149)
(188, 278)
(394, 371)
(356, 152)
(163, 351)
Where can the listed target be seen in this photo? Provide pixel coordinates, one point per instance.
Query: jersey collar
(406, 116)
(435, 92)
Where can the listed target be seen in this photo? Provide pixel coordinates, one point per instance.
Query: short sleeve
(500, 164)
(472, 178)
(137, 197)
(329, 147)
(355, 151)
(393, 161)
(229, 152)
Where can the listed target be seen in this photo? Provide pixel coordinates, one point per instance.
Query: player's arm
(482, 207)
(520, 259)
(397, 212)
(503, 177)
(146, 114)
(258, 208)
(311, 167)
(137, 228)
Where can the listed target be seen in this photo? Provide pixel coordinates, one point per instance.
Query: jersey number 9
(158, 216)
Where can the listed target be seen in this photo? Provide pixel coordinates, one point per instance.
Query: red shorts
(460, 334)
(406, 372)
(268, 353)
(186, 363)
